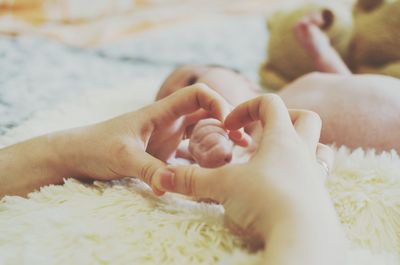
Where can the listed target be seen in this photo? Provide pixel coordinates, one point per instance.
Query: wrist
(305, 231)
(29, 165)
(301, 206)
(66, 152)
(306, 235)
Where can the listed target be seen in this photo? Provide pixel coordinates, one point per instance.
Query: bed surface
(52, 79)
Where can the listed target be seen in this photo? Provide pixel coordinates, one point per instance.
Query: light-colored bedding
(123, 223)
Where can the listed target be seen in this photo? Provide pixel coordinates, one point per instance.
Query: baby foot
(308, 32)
(310, 35)
(210, 145)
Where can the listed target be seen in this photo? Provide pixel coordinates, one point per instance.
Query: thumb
(146, 167)
(190, 180)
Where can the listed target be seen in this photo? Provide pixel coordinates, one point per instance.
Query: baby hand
(211, 145)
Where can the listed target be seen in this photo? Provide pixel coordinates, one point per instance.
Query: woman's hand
(138, 143)
(210, 144)
(134, 144)
(279, 194)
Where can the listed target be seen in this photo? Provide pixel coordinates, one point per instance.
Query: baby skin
(356, 110)
(316, 44)
(210, 144)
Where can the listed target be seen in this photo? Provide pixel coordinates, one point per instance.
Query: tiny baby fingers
(216, 156)
(210, 145)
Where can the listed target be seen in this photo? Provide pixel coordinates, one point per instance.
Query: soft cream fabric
(124, 223)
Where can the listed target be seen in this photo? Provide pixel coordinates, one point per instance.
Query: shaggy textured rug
(122, 222)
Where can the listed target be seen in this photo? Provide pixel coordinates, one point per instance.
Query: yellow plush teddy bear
(367, 40)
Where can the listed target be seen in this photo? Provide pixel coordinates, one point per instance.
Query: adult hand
(137, 143)
(210, 144)
(282, 177)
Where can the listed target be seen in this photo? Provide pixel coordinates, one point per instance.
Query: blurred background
(52, 51)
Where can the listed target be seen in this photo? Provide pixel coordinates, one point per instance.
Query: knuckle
(121, 154)
(193, 146)
(218, 149)
(121, 149)
(189, 184)
(202, 159)
(270, 98)
(273, 97)
(147, 172)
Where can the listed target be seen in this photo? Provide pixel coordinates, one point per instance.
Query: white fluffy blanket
(123, 223)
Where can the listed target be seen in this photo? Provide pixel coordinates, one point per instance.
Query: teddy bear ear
(328, 17)
(368, 5)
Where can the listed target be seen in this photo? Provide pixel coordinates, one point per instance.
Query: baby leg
(317, 45)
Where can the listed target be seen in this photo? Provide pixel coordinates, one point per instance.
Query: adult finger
(195, 117)
(192, 181)
(145, 166)
(240, 137)
(269, 109)
(307, 125)
(191, 99)
(192, 119)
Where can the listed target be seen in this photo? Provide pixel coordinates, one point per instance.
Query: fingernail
(167, 180)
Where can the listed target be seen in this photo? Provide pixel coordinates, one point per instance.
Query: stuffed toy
(367, 40)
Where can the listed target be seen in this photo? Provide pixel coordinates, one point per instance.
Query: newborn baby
(210, 145)
(356, 110)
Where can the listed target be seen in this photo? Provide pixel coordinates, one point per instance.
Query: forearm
(311, 235)
(31, 164)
